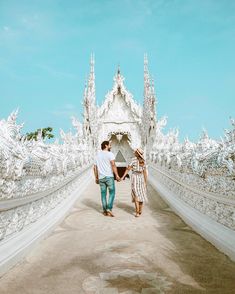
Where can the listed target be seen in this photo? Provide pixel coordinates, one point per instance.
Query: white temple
(120, 119)
(40, 182)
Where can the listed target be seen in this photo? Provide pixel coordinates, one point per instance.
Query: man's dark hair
(104, 144)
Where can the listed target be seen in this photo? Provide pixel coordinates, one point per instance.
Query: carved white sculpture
(207, 166)
(34, 170)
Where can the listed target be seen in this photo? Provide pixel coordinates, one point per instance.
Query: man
(104, 170)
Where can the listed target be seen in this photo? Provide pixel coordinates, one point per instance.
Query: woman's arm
(145, 176)
(126, 172)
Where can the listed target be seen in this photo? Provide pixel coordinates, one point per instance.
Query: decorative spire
(118, 79)
(118, 71)
(85, 89)
(153, 95)
(145, 62)
(90, 110)
(92, 67)
(146, 71)
(149, 111)
(152, 87)
(91, 80)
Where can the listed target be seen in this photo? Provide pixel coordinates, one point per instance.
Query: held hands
(117, 178)
(122, 178)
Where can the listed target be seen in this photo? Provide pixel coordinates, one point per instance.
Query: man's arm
(96, 174)
(114, 168)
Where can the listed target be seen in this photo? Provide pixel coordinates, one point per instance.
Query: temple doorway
(122, 150)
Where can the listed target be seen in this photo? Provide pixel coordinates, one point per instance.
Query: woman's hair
(141, 160)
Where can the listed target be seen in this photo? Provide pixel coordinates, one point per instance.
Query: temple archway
(121, 149)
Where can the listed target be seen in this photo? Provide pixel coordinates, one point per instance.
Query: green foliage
(46, 133)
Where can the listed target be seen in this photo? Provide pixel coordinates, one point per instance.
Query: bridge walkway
(91, 253)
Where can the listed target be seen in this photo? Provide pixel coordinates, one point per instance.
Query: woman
(138, 180)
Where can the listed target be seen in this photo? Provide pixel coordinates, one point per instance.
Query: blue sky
(45, 48)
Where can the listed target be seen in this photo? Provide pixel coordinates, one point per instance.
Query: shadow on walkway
(92, 204)
(192, 254)
(127, 208)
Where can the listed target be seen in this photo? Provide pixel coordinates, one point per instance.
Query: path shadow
(92, 204)
(126, 207)
(193, 254)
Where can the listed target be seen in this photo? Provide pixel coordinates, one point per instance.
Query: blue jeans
(107, 182)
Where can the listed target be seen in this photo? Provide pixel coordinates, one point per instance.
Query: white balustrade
(38, 182)
(198, 179)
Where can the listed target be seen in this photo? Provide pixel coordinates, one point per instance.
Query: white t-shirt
(103, 163)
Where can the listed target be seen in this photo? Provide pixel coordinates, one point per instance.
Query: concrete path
(90, 253)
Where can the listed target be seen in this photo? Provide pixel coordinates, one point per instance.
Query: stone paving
(93, 254)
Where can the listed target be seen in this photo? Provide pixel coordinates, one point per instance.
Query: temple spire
(146, 75)
(118, 70)
(90, 108)
(92, 67)
(118, 79)
(149, 106)
(91, 80)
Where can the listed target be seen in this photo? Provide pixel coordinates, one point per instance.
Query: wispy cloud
(6, 28)
(56, 72)
(66, 112)
(30, 20)
(188, 117)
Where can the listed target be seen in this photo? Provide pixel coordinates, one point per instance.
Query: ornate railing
(35, 176)
(36, 180)
(200, 176)
(220, 208)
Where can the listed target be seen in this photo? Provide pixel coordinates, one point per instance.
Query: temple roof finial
(118, 78)
(145, 61)
(118, 70)
(92, 63)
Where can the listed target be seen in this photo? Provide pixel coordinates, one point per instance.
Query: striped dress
(138, 187)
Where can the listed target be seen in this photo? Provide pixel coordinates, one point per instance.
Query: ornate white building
(120, 119)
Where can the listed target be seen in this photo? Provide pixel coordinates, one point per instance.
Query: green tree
(46, 133)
